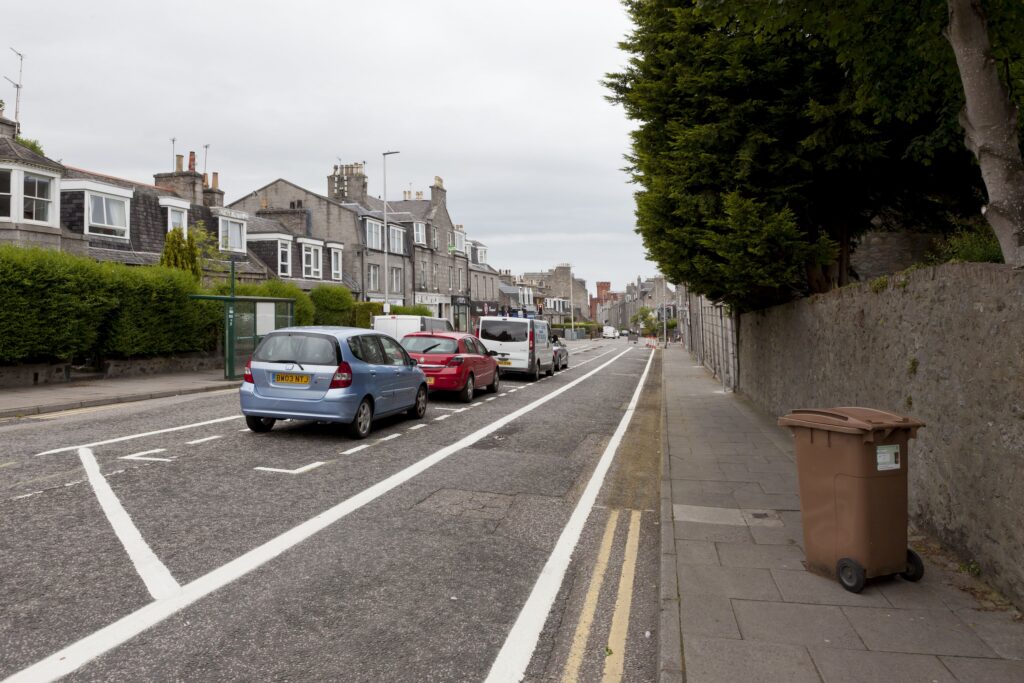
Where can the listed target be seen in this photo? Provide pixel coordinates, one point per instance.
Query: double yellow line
(616, 648)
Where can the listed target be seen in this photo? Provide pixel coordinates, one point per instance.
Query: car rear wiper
(432, 346)
(287, 361)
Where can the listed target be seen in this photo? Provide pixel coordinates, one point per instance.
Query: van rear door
(510, 337)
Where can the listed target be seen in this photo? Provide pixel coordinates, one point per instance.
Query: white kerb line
(139, 436)
(73, 656)
(515, 654)
(153, 572)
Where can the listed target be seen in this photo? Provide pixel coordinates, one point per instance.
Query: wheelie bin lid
(851, 420)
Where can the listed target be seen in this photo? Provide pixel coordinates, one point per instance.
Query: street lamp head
(388, 153)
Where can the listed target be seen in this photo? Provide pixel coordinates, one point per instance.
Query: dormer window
(108, 216)
(374, 235)
(177, 213)
(231, 235)
(420, 233)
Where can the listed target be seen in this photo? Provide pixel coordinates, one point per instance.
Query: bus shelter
(247, 319)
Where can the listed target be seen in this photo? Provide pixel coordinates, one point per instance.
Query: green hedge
(57, 307)
(304, 309)
(418, 309)
(332, 304)
(364, 312)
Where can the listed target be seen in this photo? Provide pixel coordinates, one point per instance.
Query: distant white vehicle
(610, 332)
(400, 325)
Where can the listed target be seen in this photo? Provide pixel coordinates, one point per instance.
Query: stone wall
(34, 374)
(943, 344)
(881, 253)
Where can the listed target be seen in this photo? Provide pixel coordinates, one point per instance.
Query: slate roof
(508, 289)
(82, 174)
(258, 224)
(12, 151)
(419, 209)
(148, 258)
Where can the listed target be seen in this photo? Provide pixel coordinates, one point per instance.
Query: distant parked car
(454, 361)
(332, 374)
(561, 353)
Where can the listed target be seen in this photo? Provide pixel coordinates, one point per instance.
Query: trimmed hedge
(304, 309)
(364, 312)
(332, 304)
(57, 307)
(418, 309)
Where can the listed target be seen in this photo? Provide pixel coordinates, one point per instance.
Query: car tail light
(342, 376)
(247, 373)
(531, 340)
(455, 360)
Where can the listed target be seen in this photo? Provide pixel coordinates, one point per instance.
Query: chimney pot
(216, 181)
(206, 181)
(179, 162)
(192, 162)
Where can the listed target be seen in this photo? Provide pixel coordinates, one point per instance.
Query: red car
(453, 361)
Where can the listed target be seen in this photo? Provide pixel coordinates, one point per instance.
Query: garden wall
(943, 344)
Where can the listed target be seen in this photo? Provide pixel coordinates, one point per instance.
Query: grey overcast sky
(501, 99)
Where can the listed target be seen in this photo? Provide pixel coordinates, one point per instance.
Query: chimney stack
(212, 196)
(188, 185)
(348, 183)
(179, 162)
(419, 194)
(437, 192)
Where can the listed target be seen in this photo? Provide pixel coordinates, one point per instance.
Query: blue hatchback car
(333, 374)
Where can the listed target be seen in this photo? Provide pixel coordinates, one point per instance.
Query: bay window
(5, 193)
(37, 198)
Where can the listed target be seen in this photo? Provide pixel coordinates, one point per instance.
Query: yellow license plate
(504, 362)
(430, 381)
(284, 378)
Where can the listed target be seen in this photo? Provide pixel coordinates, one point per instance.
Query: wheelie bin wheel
(851, 575)
(915, 567)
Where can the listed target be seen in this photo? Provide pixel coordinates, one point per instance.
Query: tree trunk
(989, 120)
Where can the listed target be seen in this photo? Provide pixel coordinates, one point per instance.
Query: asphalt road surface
(514, 538)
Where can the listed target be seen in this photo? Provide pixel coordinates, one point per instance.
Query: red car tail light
(247, 373)
(455, 360)
(531, 339)
(342, 376)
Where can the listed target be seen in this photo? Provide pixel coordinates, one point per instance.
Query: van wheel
(466, 395)
(551, 370)
(360, 427)
(535, 374)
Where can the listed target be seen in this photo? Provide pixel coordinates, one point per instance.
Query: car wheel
(466, 395)
(259, 424)
(360, 427)
(419, 408)
(551, 370)
(535, 373)
(495, 383)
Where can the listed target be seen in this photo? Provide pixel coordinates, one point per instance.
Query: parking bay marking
(441, 417)
(388, 438)
(299, 470)
(356, 449)
(143, 455)
(415, 427)
(154, 574)
(203, 440)
(75, 655)
(139, 436)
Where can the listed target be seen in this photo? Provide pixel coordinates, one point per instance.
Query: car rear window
(504, 330)
(298, 348)
(430, 345)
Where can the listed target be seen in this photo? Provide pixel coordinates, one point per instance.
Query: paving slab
(803, 586)
(1001, 630)
(708, 615)
(731, 582)
(696, 552)
(781, 622)
(721, 660)
(860, 666)
(916, 631)
(697, 531)
(971, 670)
(760, 556)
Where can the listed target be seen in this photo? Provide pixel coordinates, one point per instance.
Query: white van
(398, 326)
(609, 332)
(522, 344)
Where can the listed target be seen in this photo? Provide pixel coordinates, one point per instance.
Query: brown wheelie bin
(852, 468)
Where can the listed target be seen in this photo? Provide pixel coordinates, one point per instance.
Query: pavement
(50, 398)
(737, 603)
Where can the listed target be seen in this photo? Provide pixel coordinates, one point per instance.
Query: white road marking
(203, 440)
(515, 654)
(73, 656)
(142, 455)
(461, 410)
(478, 403)
(511, 391)
(154, 574)
(441, 417)
(74, 483)
(26, 495)
(491, 398)
(504, 393)
(139, 436)
(415, 427)
(443, 408)
(300, 470)
(244, 430)
(8, 464)
(356, 449)
(388, 438)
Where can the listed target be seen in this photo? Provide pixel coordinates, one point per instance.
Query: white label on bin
(888, 457)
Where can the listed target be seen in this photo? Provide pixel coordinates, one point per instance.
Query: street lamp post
(572, 313)
(387, 237)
